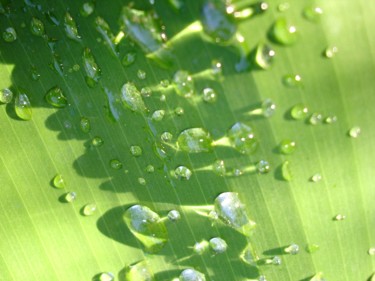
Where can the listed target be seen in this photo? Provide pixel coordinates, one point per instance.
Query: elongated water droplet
(115, 164)
(9, 35)
(85, 125)
(263, 56)
(200, 248)
(57, 64)
(191, 275)
(263, 167)
(287, 146)
(70, 197)
(147, 227)
(6, 95)
(209, 95)
(97, 141)
(218, 245)
(292, 80)
(283, 33)
(56, 98)
(70, 28)
(316, 177)
(242, 138)
(354, 132)
(194, 140)
(131, 97)
(312, 248)
(340, 217)
(315, 118)
(183, 84)
(174, 215)
(87, 9)
(285, 171)
(22, 106)
(105, 31)
(268, 107)
(182, 173)
(136, 150)
(59, 182)
(158, 115)
(89, 209)
(292, 249)
(218, 167)
(138, 271)
(312, 13)
(92, 70)
(318, 277)
(330, 52)
(299, 111)
(129, 58)
(233, 213)
(141, 74)
(371, 251)
(176, 4)
(37, 27)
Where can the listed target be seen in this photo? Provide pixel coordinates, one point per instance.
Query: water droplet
(166, 137)
(190, 274)
(142, 181)
(89, 209)
(354, 132)
(371, 251)
(218, 245)
(194, 140)
(299, 112)
(37, 27)
(97, 141)
(179, 111)
(316, 177)
(283, 7)
(237, 172)
(268, 107)
(93, 72)
(318, 277)
(147, 227)
(312, 13)
(263, 167)
(136, 150)
(276, 260)
(174, 215)
(176, 4)
(115, 164)
(138, 271)
(285, 171)
(292, 249)
(35, 75)
(56, 98)
(209, 95)
(264, 56)
(340, 217)
(51, 17)
(315, 118)
(132, 98)
(218, 167)
(249, 256)
(262, 278)
(182, 173)
(164, 83)
(141, 74)
(70, 197)
(70, 28)
(158, 115)
(330, 52)
(59, 182)
(216, 68)
(330, 119)
(242, 138)
(57, 64)
(85, 125)
(283, 33)
(200, 248)
(9, 35)
(292, 80)
(150, 169)
(312, 248)
(87, 9)
(146, 92)
(163, 98)
(233, 213)
(287, 146)
(183, 83)
(129, 58)
(22, 106)
(6, 95)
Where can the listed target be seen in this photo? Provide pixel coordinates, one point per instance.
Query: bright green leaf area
(43, 238)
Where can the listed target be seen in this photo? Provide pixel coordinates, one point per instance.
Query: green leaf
(43, 237)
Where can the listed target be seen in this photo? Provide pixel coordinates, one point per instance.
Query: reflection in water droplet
(93, 71)
(158, 115)
(132, 98)
(371, 251)
(218, 245)
(292, 249)
(85, 125)
(316, 177)
(9, 35)
(242, 138)
(136, 150)
(283, 33)
(89, 209)
(6, 95)
(70, 197)
(264, 56)
(315, 118)
(22, 106)
(115, 164)
(174, 215)
(216, 68)
(268, 107)
(183, 83)
(340, 217)
(87, 9)
(292, 80)
(312, 248)
(263, 167)
(285, 171)
(70, 27)
(354, 132)
(330, 52)
(37, 27)
(209, 95)
(191, 275)
(138, 271)
(97, 141)
(182, 173)
(312, 13)
(299, 111)
(59, 182)
(56, 98)
(129, 58)
(287, 146)
(194, 140)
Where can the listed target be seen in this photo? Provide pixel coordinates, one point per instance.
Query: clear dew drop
(190, 274)
(70, 197)
(183, 83)
(132, 98)
(282, 7)
(85, 125)
(264, 56)
(89, 209)
(218, 245)
(330, 119)
(292, 80)
(354, 132)
(37, 27)
(283, 33)
(312, 248)
(87, 9)
(194, 140)
(142, 181)
(22, 106)
(158, 115)
(57, 64)
(58, 181)
(242, 138)
(97, 141)
(285, 171)
(163, 98)
(263, 167)
(141, 74)
(92, 70)
(166, 137)
(209, 95)
(371, 251)
(150, 169)
(56, 97)
(106, 35)
(318, 277)
(340, 217)
(330, 52)
(316, 177)
(129, 58)
(218, 167)
(179, 111)
(6, 95)
(182, 173)
(115, 164)
(201, 247)
(268, 107)
(70, 28)
(164, 83)
(136, 150)
(292, 249)
(315, 118)
(299, 111)
(287, 146)
(146, 92)
(312, 13)
(138, 271)
(174, 215)
(9, 35)
(147, 227)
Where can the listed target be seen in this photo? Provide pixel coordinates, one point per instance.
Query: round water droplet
(330, 119)
(59, 182)
(138, 271)
(249, 256)
(371, 251)
(292, 80)
(340, 217)
(141, 74)
(354, 132)
(312, 13)
(129, 58)
(89, 209)
(330, 52)
(218, 167)
(283, 33)
(218, 245)
(136, 150)
(287, 146)
(22, 106)
(174, 215)
(6, 95)
(158, 115)
(292, 249)
(70, 197)
(166, 137)
(315, 118)
(200, 247)
(263, 167)
(85, 125)
(242, 138)
(164, 83)
(268, 107)
(316, 177)
(56, 98)
(191, 275)
(87, 9)
(183, 83)
(37, 27)
(237, 172)
(150, 169)
(285, 171)
(9, 35)
(264, 56)
(115, 164)
(299, 112)
(194, 140)
(209, 95)
(146, 92)
(132, 98)
(97, 141)
(312, 248)
(182, 173)
(142, 181)
(179, 111)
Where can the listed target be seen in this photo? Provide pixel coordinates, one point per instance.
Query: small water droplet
(92, 70)
(292, 249)
(129, 58)
(35, 75)
(85, 125)
(190, 274)
(354, 132)
(87, 9)
(218, 168)
(89, 209)
(146, 92)
(22, 106)
(299, 111)
(183, 84)
(330, 119)
(318, 277)
(176, 4)
(216, 68)
(209, 95)
(316, 177)
(263, 167)
(59, 182)
(276, 260)
(340, 217)
(182, 173)
(200, 248)
(158, 115)
(292, 80)
(115, 164)
(194, 140)
(330, 52)
(268, 107)
(264, 56)
(218, 245)
(174, 215)
(70, 197)
(141, 74)
(285, 171)
(166, 137)
(132, 98)
(283, 7)
(150, 169)
(6, 95)
(237, 172)
(138, 271)
(97, 141)
(56, 98)
(57, 64)
(179, 111)
(315, 118)
(136, 150)
(283, 33)
(249, 256)
(142, 181)
(312, 248)
(164, 83)
(37, 27)
(242, 138)
(312, 13)
(371, 251)
(70, 28)
(287, 146)
(9, 35)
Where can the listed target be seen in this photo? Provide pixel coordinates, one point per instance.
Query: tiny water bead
(315, 118)
(216, 68)
(56, 97)
(138, 271)
(59, 182)
(129, 58)
(312, 248)
(115, 164)
(6, 95)
(330, 52)
(146, 92)
(339, 217)
(312, 13)
(35, 75)
(292, 249)
(218, 245)
(283, 7)
(158, 115)
(190, 274)
(166, 137)
(242, 138)
(85, 125)
(218, 167)
(316, 177)
(70, 28)
(182, 173)
(299, 111)
(37, 27)
(194, 140)
(22, 106)
(70, 197)
(163, 98)
(283, 33)
(263, 167)
(164, 83)
(292, 80)
(141, 74)
(92, 70)
(150, 169)
(87, 9)
(131, 98)
(89, 209)
(371, 251)
(330, 119)
(142, 181)
(136, 150)
(179, 111)
(9, 35)
(354, 132)
(285, 171)
(209, 95)
(147, 227)
(287, 146)
(52, 18)
(97, 141)
(200, 248)
(183, 83)
(268, 107)
(264, 56)
(174, 215)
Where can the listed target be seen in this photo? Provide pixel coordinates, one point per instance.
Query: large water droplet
(58, 181)
(264, 56)
(9, 35)
(218, 245)
(87, 9)
(292, 249)
(136, 150)
(146, 92)
(132, 98)
(138, 271)
(166, 137)
(242, 138)
(182, 173)
(191, 275)
(194, 140)
(312, 13)
(6, 95)
(105, 31)
(371, 251)
(37, 27)
(70, 28)
(56, 98)
(249, 256)
(183, 83)
(283, 33)
(89, 209)
(299, 112)
(147, 227)
(93, 71)
(22, 106)
(287, 146)
(340, 217)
